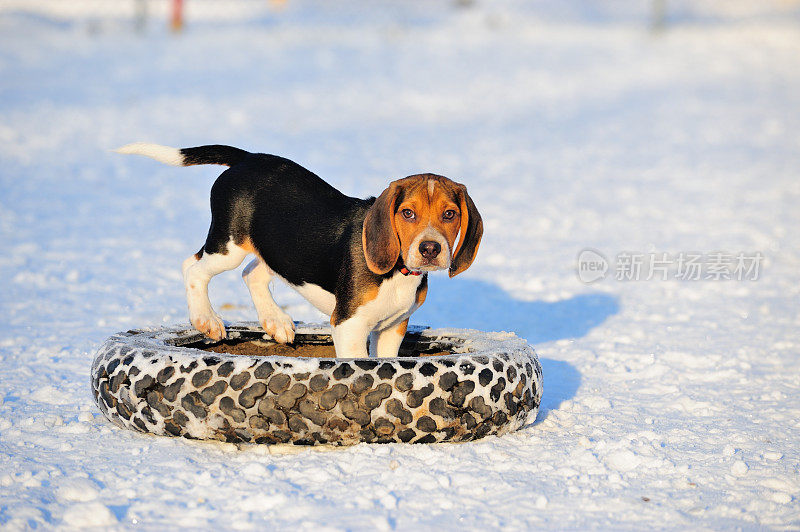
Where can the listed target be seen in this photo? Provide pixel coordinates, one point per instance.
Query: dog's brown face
(419, 218)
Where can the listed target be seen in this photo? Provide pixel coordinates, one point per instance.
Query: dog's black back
(291, 216)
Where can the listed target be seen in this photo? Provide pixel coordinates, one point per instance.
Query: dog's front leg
(386, 342)
(350, 338)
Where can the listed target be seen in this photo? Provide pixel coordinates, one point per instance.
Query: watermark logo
(683, 266)
(592, 266)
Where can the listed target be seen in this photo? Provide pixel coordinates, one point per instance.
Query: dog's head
(419, 218)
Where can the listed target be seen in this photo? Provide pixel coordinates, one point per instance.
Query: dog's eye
(408, 214)
(449, 214)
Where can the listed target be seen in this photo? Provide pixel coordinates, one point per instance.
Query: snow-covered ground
(668, 403)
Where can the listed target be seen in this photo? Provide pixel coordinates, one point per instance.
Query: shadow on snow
(474, 304)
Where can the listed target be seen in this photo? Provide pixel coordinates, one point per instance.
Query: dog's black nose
(429, 249)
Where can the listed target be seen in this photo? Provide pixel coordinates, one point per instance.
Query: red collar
(405, 271)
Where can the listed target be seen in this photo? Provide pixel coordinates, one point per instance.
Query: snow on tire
(158, 381)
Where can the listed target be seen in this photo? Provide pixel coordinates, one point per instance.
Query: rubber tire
(146, 381)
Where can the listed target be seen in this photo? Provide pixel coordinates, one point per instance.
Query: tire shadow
(474, 304)
(561, 383)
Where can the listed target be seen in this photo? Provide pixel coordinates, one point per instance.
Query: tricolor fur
(349, 257)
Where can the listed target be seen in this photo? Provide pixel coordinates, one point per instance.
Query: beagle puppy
(363, 262)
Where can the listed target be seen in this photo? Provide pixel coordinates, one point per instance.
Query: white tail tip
(164, 154)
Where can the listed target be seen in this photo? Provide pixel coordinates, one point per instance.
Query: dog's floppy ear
(471, 233)
(379, 237)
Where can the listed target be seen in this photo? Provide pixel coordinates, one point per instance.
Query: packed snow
(667, 403)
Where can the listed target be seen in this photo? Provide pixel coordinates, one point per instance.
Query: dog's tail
(212, 154)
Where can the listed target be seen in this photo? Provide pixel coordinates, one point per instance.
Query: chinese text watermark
(684, 266)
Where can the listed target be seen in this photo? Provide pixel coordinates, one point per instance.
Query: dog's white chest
(396, 299)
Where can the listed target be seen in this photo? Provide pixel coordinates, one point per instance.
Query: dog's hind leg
(197, 272)
(275, 321)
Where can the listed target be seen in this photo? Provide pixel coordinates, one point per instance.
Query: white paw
(209, 324)
(279, 326)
